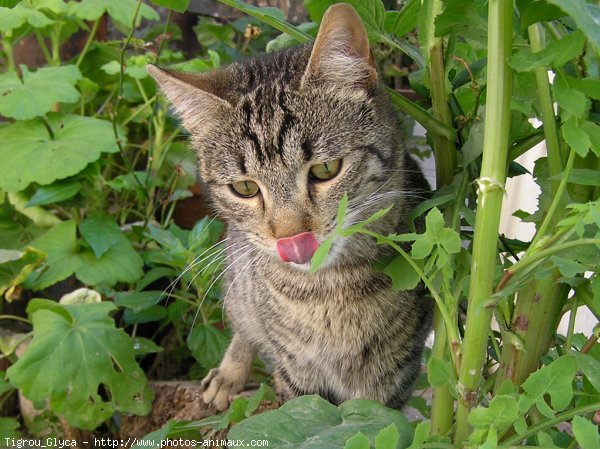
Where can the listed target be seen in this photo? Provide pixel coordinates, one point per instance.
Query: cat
(280, 139)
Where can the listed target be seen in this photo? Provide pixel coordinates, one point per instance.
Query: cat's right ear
(196, 98)
(341, 54)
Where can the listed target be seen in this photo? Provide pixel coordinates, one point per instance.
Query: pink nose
(298, 249)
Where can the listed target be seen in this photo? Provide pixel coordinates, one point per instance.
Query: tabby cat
(280, 139)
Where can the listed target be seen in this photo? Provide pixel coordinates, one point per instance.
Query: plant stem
(489, 203)
(444, 149)
(89, 41)
(421, 115)
(15, 317)
(567, 347)
(560, 417)
(546, 105)
(43, 46)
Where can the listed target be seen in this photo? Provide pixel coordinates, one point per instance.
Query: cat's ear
(198, 99)
(341, 54)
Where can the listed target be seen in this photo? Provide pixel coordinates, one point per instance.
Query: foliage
(94, 165)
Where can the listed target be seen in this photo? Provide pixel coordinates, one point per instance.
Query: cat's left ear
(198, 99)
(341, 54)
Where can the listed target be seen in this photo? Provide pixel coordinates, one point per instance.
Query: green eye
(246, 189)
(326, 170)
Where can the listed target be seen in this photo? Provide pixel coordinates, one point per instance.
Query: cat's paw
(219, 385)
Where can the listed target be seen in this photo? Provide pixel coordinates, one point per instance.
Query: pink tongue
(298, 249)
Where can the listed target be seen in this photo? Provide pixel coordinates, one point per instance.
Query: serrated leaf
(585, 15)
(30, 154)
(501, 412)
(207, 344)
(38, 91)
(575, 136)
(68, 363)
(120, 10)
(358, 441)
(556, 54)
(13, 18)
(100, 232)
(341, 215)
(421, 434)
(570, 99)
(310, 422)
(441, 374)
(436, 235)
(555, 380)
(387, 438)
(586, 433)
(54, 193)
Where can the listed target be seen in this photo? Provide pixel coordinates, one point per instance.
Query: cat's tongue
(298, 249)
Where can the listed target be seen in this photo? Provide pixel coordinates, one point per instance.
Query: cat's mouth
(298, 249)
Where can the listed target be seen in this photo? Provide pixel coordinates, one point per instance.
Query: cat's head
(281, 138)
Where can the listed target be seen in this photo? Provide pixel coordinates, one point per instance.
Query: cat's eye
(326, 170)
(245, 189)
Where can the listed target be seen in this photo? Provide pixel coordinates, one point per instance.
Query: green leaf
(101, 232)
(271, 16)
(556, 54)
(341, 215)
(586, 433)
(15, 266)
(143, 346)
(539, 11)
(205, 233)
(441, 374)
(575, 136)
(38, 91)
(421, 434)
(9, 427)
(585, 15)
(120, 10)
(403, 275)
(570, 99)
(387, 438)
(581, 176)
(589, 365)
(176, 5)
(207, 344)
(13, 18)
(358, 441)
(310, 422)
(264, 393)
(556, 380)
(54, 193)
(30, 154)
(501, 412)
(121, 263)
(138, 301)
(70, 362)
(436, 235)
(400, 23)
(321, 254)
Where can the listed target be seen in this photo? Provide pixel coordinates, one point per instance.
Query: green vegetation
(93, 165)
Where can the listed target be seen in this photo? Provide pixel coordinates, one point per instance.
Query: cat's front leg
(231, 375)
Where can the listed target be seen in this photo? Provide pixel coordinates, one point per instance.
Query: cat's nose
(298, 249)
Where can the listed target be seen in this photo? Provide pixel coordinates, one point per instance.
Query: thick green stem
(489, 203)
(444, 149)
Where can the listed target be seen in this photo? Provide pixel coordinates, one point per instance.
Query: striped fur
(342, 332)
